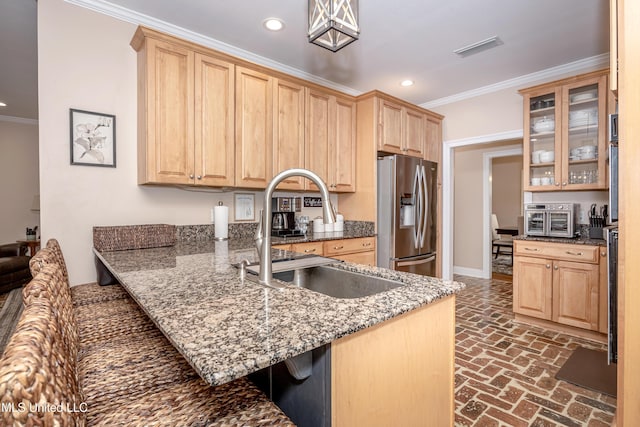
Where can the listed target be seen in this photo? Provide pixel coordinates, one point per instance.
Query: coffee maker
(283, 217)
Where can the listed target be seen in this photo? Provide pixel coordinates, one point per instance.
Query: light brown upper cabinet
(214, 133)
(342, 150)
(254, 128)
(402, 129)
(185, 119)
(565, 134)
(330, 144)
(288, 131)
(433, 143)
(207, 118)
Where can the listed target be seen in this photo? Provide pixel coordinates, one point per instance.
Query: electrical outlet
(582, 217)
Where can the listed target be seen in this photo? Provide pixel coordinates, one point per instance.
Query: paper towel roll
(318, 225)
(222, 249)
(221, 222)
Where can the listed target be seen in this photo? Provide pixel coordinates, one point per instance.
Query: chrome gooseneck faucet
(263, 233)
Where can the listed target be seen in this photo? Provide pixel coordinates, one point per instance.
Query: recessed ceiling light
(406, 83)
(2, 104)
(273, 24)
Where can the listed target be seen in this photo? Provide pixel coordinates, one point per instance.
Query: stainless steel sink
(336, 282)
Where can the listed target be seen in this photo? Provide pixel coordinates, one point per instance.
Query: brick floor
(505, 370)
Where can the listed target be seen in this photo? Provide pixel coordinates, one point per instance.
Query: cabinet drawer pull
(574, 253)
(338, 247)
(310, 250)
(366, 244)
(531, 249)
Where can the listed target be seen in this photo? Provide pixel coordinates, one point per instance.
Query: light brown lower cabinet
(397, 373)
(360, 250)
(560, 283)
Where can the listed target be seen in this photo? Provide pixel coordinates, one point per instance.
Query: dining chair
(499, 241)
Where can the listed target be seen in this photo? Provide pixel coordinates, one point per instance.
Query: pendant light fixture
(333, 24)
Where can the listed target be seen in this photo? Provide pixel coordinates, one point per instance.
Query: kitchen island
(227, 327)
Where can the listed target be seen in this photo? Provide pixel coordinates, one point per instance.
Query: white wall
(18, 179)
(85, 62)
(506, 189)
(468, 245)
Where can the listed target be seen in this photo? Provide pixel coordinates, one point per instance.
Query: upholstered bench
(112, 361)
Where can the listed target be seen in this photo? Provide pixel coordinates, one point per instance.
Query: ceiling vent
(478, 47)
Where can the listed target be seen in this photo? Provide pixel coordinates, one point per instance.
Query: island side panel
(399, 372)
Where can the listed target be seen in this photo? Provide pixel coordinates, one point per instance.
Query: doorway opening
(467, 206)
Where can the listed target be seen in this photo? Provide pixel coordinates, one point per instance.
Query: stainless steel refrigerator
(407, 209)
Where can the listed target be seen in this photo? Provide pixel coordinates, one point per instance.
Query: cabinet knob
(190, 176)
(555, 267)
(564, 183)
(548, 266)
(199, 177)
(557, 184)
(603, 253)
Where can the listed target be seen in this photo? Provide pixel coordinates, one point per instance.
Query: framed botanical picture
(244, 207)
(93, 138)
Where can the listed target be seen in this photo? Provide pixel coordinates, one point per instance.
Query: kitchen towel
(221, 222)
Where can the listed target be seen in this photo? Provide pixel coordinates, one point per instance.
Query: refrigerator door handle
(416, 207)
(424, 205)
(416, 262)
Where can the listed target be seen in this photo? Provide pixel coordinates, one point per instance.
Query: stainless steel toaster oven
(549, 219)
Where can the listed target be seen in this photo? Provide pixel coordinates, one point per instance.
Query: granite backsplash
(237, 231)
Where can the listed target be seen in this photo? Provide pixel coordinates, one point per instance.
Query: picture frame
(92, 138)
(244, 207)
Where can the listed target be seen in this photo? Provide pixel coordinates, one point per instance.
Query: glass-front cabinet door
(585, 151)
(542, 134)
(564, 143)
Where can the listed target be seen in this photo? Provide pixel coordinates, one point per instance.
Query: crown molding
(21, 120)
(128, 15)
(482, 139)
(523, 81)
(137, 18)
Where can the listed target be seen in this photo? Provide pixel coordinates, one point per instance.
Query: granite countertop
(227, 328)
(574, 241)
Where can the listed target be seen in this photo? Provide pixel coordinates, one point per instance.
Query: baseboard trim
(471, 272)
